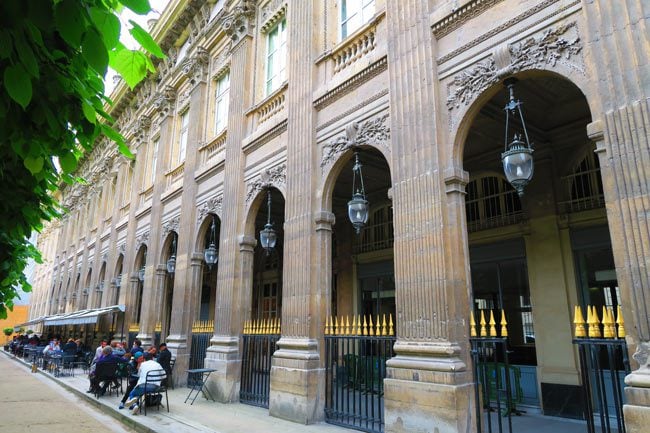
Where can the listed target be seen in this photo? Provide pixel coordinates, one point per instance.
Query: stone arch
(258, 201)
(204, 226)
(470, 111)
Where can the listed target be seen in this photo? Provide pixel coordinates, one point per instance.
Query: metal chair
(155, 378)
(170, 381)
(104, 372)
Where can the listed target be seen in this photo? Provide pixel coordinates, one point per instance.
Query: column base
(637, 396)
(297, 382)
(223, 356)
(146, 339)
(428, 389)
(177, 344)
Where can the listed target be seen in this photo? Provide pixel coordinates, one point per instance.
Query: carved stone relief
(164, 101)
(170, 225)
(548, 49)
(240, 21)
(374, 132)
(276, 176)
(196, 67)
(271, 13)
(142, 238)
(212, 205)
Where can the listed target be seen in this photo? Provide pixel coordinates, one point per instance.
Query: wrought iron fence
(497, 389)
(355, 356)
(202, 331)
(603, 360)
(259, 343)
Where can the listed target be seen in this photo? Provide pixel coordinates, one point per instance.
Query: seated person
(147, 366)
(106, 358)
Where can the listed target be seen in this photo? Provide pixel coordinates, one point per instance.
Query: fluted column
(429, 377)
(223, 353)
(617, 37)
(297, 372)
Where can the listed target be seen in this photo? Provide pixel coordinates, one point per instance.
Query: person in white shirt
(147, 366)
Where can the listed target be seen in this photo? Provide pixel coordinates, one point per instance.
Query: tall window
(182, 145)
(154, 160)
(491, 202)
(354, 14)
(221, 103)
(276, 57)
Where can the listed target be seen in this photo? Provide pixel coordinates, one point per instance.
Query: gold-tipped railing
(487, 325)
(203, 326)
(262, 327)
(158, 327)
(591, 328)
(358, 326)
(134, 327)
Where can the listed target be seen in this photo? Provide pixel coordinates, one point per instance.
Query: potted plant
(7, 332)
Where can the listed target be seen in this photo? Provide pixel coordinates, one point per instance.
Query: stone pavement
(203, 416)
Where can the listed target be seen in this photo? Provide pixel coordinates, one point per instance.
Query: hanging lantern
(518, 155)
(210, 253)
(268, 237)
(171, 262)
(358, 206)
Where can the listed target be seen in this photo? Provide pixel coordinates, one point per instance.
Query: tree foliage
(54, 55)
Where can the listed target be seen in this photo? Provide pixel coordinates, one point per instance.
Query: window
(276, 57)
(182, 144)
(221, 105)
(354, 14)
(491, 202)
(154, 160)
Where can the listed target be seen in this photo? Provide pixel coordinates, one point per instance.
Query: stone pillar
(429, 378)
(621, 130)
(297, 372)
(223, 353)
(185, 292)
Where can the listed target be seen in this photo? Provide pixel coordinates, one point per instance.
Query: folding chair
(154, 378)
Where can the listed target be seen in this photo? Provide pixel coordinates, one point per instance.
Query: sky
(157, 7)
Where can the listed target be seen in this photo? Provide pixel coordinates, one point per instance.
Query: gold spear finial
(347, 325)
(358, 324)
(504, 324)
(378, 330)
(579, 322)
(620, 322)
(336, 325)
(483, 323)
(472, 324)
(327, 326)
(608, 324)
(370, 325)
(354, 325)
(493, 328)
(383, 326)
(390, 324)
(365, 325)
(594, 324)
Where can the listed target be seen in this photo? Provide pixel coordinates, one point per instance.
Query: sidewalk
(202, 416)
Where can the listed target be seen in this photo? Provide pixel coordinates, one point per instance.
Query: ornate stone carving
(272, 13)
(374, 132)
(195, 67)
(171, 226)
(141, 129)
(142, 238)
(212, 205)
(240, 21)
(220, 63)
(547, 49)
(276, 176)
(164, 100)
(461, 15)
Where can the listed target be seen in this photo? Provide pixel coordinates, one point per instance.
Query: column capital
(324, 220)
(246, 243)
(455, 180)
(196, 259)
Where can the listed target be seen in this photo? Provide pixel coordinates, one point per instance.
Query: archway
(262, 327)
(99, 290)
(535, 257)
(140, 265)
(362, 293)
(118, 280)
(166, 295)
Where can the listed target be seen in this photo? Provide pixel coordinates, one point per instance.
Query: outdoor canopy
(80, 317)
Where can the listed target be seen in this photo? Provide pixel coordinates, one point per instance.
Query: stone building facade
(269, 100)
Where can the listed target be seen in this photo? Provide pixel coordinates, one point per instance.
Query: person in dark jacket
(164, 359)
(106, 357)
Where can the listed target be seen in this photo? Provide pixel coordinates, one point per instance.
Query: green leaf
(94, 51)
(69, 21)
(130, 64)
(89, 112)
(18, 84)
(26, 56)
(140, 7)
(108, 25)
(117, 137)
(68, 162)
(145, 40)
(34, 165)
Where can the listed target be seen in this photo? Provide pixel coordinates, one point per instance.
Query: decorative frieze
(545, 50)
(171, 225)
(374, 132)
(142, 238)
(461, 15)
(220, 64)
(273, 12)
(212, 205)
(275, 176)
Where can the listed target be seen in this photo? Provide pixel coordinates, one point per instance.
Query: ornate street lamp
(268, 237)
(171, 262)
(358, 206)
(210, 254)
(518, 155)
(141, 273)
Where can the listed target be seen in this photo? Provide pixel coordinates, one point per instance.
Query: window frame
(222, 100)
(367, 10)
(184, 123)
(274, 82)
